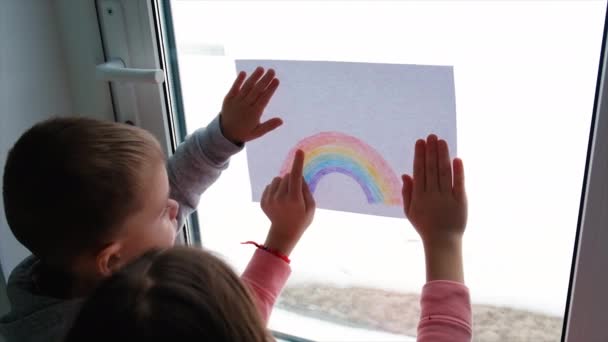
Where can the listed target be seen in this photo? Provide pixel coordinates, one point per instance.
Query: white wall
(48, 51)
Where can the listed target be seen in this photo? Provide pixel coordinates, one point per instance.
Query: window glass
(525, 76)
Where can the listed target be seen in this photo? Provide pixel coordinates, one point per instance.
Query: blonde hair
(68, 182)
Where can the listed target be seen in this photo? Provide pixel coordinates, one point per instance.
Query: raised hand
(244, 105)
(435, 202)
(290, 206)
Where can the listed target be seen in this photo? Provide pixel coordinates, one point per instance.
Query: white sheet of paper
(357, 123)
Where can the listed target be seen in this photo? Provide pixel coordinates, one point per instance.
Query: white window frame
(128, 30)
(587, 302)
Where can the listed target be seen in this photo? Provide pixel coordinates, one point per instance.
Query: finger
(260, 86)
(274, 186)
(283, 188)
(295, 178)
(459, 189)
(264, 199)
(251, 81)
(445, 166)
(266, 127)
(419, 175)
(309, 200)
(236, 86)
(264, 98)
(432, 179)
(406, 192)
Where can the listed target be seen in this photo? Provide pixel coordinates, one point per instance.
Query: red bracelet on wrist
(269, 250)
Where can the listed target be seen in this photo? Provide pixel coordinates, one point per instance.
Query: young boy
(86, 197)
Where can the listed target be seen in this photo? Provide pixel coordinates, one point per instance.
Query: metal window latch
(115, 70)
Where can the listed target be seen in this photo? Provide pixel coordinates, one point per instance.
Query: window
(525, 77)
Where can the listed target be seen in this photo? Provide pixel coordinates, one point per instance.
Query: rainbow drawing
(334, 152)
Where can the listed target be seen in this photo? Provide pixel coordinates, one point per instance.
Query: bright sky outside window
(525, 75)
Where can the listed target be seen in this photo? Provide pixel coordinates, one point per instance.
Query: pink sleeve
(266, 276)
(445, 312)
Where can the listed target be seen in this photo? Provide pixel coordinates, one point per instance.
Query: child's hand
(244, 104)
(436, 205)
(289, 205)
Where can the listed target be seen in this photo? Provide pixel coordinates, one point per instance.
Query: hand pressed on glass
(435, 202)
(244, 105)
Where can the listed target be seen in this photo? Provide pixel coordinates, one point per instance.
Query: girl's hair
(68, 182)
(180, 294)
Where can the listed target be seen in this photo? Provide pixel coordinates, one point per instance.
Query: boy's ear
(108, 259)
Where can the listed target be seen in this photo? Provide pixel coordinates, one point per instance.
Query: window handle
(115, 70)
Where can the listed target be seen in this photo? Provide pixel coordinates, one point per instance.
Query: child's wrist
(279, 246)
(228, 134)
(444, 261)
(270, 250)
(280, 242)
(443, 242)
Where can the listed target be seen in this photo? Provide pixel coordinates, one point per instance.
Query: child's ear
(108, 259)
